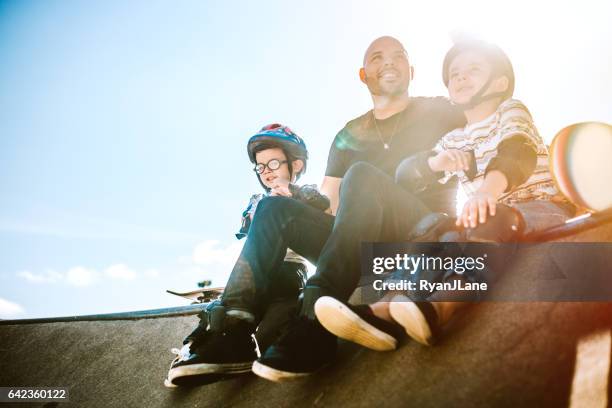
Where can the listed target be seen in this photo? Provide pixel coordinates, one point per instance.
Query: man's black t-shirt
(417, 128)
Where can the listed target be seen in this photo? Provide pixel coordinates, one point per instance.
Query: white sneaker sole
(203, 369)
(272, 374)
(340, 320)
(406, 313)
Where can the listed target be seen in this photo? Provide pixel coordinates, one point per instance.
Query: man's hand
(450, 160)
(281, 188)
(475, 209)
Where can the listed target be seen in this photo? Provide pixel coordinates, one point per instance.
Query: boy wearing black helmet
(499, 159)
(222, 343)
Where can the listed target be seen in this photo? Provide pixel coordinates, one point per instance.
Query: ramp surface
(498, 354)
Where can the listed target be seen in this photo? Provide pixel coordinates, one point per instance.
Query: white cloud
(210, 253)
(120, 271)
(210, 260)
(77, 276)
(49, 276)
(80, 276)
(10, 310)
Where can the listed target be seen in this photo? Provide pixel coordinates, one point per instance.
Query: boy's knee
(273, 207)
(506, 226)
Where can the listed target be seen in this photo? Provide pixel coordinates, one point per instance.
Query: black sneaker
(226, 347)
(357, 324)
(304, 348)
(419, 319)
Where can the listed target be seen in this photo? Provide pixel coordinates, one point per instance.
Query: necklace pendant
(386, 146)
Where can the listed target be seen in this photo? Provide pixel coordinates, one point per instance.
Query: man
(369, 207)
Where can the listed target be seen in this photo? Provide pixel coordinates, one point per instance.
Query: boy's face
(272, 178)
(467, 74)
(386, 70)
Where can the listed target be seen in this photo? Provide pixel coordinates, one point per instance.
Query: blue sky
(123, 124)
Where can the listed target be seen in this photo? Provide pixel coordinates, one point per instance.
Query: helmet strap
(479, 97)
(290, 167)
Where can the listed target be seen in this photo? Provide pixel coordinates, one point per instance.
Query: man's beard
(390, 90)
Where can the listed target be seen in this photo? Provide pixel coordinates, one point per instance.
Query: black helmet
(500, 66)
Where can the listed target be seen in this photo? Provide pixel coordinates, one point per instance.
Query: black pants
(372, 209)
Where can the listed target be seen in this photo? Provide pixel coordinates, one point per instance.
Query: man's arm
(337, 164)
(331, 188)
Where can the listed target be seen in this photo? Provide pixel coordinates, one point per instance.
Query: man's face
(386, 70)
(467, 74)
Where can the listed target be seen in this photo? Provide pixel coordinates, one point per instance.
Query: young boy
(222, 343)
(502, 165)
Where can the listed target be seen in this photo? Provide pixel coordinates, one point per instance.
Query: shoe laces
(181, 354)
(256, 345)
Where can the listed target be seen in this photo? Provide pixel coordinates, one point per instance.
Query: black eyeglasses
(273, 164)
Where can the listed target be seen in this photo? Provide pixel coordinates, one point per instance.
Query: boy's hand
(475, 209)
(281, 188)
(450, 160)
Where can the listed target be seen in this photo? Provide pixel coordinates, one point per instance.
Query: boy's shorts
(541, 214)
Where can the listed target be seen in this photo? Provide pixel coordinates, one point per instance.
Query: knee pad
(273, 204)
(506, 226)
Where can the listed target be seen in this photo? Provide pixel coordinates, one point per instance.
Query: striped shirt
(510, 119)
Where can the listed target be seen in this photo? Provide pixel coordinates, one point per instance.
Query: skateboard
(202, 295)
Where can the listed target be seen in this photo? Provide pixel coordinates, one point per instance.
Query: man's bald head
(386, 70)
(382, 42)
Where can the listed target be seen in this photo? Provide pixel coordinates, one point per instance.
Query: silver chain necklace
(386, 144)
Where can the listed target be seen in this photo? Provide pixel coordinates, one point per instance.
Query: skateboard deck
(202, 295)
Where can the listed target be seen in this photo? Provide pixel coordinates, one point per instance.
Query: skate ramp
(497, 354)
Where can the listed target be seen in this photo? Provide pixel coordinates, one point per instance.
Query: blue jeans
(372, 208)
